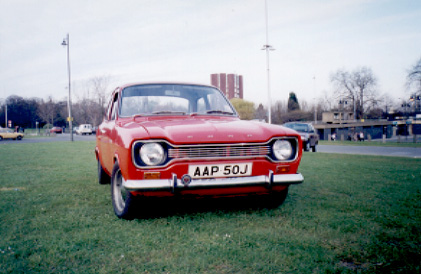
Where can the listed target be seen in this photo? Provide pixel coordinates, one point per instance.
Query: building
(337, 117)
(230, 84)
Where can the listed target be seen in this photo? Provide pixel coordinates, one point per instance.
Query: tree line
(354, 91)
(37, 112)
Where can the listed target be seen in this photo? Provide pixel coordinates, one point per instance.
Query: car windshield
(298, 127)
(170, 99)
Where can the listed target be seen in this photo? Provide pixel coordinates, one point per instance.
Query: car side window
(113, 114)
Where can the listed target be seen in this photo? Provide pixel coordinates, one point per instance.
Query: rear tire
(123, 201)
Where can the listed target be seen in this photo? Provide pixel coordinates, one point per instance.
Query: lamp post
(66, 43)
(268, 48)
(314, 93)
(5, 112)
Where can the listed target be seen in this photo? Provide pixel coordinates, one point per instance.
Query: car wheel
(19, 138)
(1, 138)
(275, 199)
(103, 177)
(123, 200)
(306, 146)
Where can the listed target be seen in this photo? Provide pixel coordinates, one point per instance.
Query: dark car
(175, 140)
(308, 134)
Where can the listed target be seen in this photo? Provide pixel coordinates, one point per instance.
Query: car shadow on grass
(152, 208)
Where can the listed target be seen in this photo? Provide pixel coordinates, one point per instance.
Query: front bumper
(175, 183)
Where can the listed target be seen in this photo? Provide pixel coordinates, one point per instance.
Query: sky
(177, 40)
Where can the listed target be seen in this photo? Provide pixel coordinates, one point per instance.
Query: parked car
(7, 133)
(308, 134)
(84, 129)
(57, 130)
(169, 139)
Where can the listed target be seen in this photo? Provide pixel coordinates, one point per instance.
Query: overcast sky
(179, 40)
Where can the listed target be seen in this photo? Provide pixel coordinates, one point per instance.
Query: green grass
(352, 214)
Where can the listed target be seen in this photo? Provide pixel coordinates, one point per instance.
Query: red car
(57, 130)
(167, 139)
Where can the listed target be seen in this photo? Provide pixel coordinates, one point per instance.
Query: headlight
(152, 154)
(304, 137)
(282, 149)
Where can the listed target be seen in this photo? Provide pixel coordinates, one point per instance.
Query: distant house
(337, 117)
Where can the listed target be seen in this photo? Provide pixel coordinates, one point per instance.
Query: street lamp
(5, 113)
(268, 48)
(314, 93)
(66, 43)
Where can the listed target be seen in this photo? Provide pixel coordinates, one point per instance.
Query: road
(410, 152)
(58, 138)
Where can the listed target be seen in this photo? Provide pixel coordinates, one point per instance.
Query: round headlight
(152, 154)
(282, 149)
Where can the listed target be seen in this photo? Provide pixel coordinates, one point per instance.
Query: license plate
(224, 170)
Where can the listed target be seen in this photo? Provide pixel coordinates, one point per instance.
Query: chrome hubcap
(120, 194)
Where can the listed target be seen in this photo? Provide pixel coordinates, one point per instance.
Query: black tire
(19, 138)
(275, 199)
(103, 177)
(1, 138)
(123, 201)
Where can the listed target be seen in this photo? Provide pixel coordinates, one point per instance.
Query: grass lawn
(352, 214)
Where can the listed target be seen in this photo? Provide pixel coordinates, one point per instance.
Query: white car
(84, 129)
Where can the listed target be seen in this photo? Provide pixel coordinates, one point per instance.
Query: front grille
(234, 151)
(214, 151)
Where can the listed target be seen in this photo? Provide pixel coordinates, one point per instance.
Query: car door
(10, 134)
(105, 134)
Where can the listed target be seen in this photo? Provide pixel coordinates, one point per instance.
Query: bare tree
(261, 113)
(414, 77)
(279, 110)
(100, 86)
(47, 110)
(90, 107)
(358, 86)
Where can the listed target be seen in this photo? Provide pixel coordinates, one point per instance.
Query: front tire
(103, 177)
(275, 199)
(123, 200)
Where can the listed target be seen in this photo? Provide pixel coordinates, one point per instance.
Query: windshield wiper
(219, 112)
(169, 112)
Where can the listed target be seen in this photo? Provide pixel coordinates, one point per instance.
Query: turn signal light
(282, 169)
(151, 175)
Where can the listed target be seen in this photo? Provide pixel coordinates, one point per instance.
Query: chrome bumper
(176, 183)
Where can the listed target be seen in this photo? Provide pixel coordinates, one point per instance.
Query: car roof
(164, 83)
